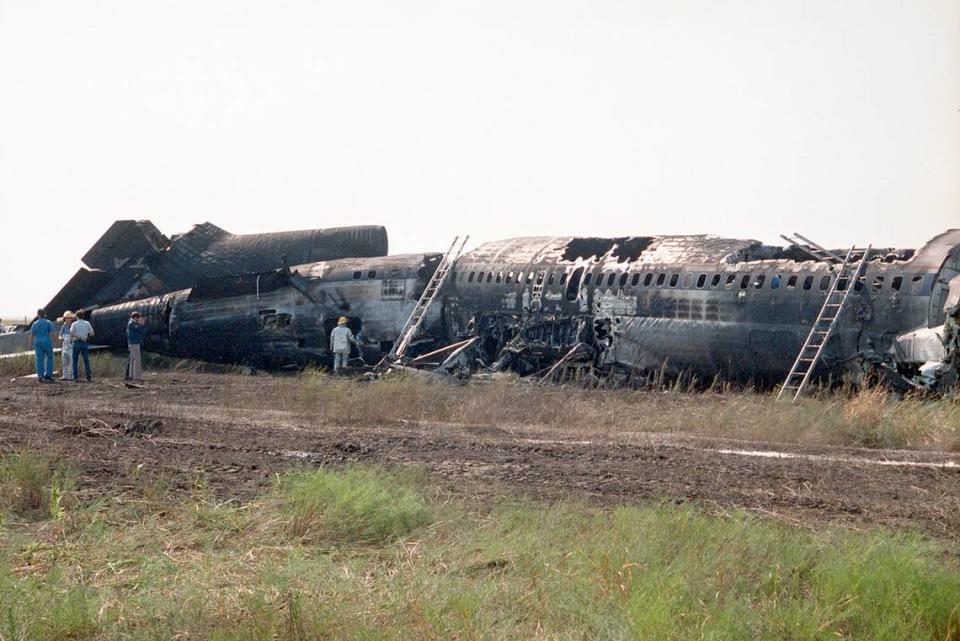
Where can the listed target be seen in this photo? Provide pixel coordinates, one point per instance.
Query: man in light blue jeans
(41, 339)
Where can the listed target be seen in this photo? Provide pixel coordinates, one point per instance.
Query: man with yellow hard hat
(341, 338)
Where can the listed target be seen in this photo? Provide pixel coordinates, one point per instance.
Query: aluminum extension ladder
(823, 327)
(419, 312)
(815, 250)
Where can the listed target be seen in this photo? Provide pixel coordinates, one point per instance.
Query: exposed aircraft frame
(625, 307)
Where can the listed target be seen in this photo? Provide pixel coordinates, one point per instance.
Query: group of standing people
(74, 336)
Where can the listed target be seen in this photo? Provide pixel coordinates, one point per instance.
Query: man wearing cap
(66, 346)
(340, 340)
(42, 333)
(134, 341)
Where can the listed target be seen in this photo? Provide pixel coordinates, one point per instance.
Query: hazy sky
(840, 120)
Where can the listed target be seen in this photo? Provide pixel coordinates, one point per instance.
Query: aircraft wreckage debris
(555, 308)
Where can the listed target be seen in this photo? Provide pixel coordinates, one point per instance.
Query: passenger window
(529, 277)
(758, 283)
(563, 278)
(842, 284)
(792, 282)
(520, 278)
(610, 279)
(635, 280)
(896, 283)
(372, 274)
(745, 281)
(660, 279)
(470, 279)
(551, 278)
(674, 279)
(587, 280)
(648, 279)
(824, 283)
(701, 281)
(775, 282)
(716, 280)
(687, 281)
(807, 283)
(499, 277)
(916, 284)
(878, 283)
(509, 278)
(623, 279)
(858, 284)
(730, 279)
(357, 275)
(573, 286)
(489, 276)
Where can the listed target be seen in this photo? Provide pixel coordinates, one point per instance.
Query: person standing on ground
(134, 341)
(66, 346)
(341, 338)
(80, 333)
(42, 333)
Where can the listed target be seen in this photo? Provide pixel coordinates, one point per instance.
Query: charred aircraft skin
(698, 305)
(133, 260)
(282, 317)
(702, 305)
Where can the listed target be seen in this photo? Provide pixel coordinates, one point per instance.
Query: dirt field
(180, 427)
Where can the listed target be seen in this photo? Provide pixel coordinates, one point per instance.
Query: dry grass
(869, 418)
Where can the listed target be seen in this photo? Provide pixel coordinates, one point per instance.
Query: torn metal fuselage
(700, 305)
(133, 260)
(282, 317)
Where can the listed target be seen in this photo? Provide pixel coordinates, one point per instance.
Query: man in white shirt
(80, 333)
(341, 338)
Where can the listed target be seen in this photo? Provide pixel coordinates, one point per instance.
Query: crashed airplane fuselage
(133, 260)
(697, 304)
(701, 305)
(281, 317)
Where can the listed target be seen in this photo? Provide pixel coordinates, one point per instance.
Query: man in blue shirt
(41, 340)
(134, 341)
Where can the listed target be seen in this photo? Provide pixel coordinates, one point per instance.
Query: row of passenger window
(662, 279)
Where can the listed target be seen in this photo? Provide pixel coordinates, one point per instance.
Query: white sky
(500, 118)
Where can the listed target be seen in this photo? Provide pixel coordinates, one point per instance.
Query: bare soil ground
(179, 428)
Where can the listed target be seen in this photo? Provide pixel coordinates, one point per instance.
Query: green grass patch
(356, 505)
(364, 554)
(33, 486)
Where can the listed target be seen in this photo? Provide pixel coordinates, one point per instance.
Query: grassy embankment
(366, 554)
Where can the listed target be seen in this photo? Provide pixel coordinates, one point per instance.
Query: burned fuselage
(703, 305)
(700, 305)
(281, 317)
(133, 260)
